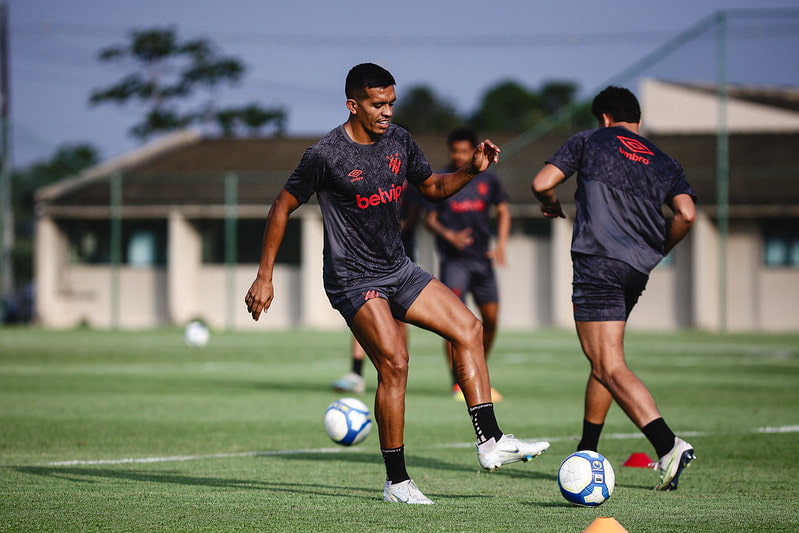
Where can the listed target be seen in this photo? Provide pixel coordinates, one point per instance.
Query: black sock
(590, 438)
(660, 435)
(394, 459)
(357, 366)
(485, 423)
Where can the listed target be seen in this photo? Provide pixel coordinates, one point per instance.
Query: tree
(66, 161)
(511, 107)
(421, 110)
(508, 107)
(171, 73)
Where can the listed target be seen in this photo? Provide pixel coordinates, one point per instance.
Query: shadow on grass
(91, 475)
(418, 462)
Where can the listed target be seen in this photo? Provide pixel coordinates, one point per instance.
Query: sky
(297, 53)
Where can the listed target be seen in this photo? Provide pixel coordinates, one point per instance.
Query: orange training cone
(605, 524)
(639, 460)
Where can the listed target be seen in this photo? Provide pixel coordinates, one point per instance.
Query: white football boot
(508, 450)
(404, 492)
(351, 383)
(672, 464)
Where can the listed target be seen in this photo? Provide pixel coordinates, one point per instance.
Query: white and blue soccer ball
(196, 334)
(348, 421)
(586, 478)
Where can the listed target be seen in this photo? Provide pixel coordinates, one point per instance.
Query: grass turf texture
(133, 431)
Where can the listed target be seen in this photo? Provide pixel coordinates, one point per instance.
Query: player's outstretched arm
(441, 186)
(543, 187)
(261, 293)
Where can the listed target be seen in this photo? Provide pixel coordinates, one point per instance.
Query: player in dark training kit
(620, 234)
(461, 224)
(357, 172)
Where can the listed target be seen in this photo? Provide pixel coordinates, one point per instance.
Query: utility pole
(6, 213)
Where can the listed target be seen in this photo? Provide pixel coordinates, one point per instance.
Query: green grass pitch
(134, 431)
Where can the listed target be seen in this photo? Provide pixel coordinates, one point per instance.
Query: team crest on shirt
(394, 163)
(482, 189)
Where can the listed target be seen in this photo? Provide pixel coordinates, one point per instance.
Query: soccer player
(619, 235)
(461, 224)
(357, 172)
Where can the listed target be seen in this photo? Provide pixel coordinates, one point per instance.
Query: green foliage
(171, 73)
(68, 160)
(511, 107)
(133, 431)
(421, 110)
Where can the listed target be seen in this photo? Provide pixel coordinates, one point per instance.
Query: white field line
(178, 458)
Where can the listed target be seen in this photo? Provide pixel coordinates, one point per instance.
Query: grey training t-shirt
(623, 181)
(359, 187)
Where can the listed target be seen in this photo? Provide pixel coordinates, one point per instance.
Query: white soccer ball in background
(196, 334)
(586, 478)
(348, 421)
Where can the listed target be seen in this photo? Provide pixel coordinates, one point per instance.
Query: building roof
(190, 171)
(693, 108)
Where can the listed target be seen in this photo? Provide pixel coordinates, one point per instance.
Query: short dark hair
(462, 134)
(366, 76)
(617, 102)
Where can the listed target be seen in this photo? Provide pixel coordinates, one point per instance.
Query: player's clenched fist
(486, 154)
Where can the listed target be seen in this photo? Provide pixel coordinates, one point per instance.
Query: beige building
(172, 231)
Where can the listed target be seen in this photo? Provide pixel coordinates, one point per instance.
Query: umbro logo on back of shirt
(637, 148)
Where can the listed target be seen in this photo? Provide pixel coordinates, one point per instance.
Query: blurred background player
(357, 171)
(619, 235)
(412, 205)
(462, 226)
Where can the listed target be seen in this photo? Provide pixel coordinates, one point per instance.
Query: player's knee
(395, 369)
(608, 374)
(471, 332)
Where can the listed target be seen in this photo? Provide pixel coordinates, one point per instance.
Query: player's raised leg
(439, 310)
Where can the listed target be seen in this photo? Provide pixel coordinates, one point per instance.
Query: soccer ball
(347, 421)
(586, 478)
(196, 334)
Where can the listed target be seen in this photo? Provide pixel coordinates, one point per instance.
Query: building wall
(535, 288)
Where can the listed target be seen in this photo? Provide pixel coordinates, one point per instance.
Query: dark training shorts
(604, 289)
(470, 275)
(400, 289)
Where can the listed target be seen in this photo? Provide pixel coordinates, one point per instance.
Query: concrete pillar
(315, 310)
(183, 269)
(562, 315)
(49, 257)
(705, 251)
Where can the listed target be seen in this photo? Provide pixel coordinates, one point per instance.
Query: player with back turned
(619, 235)
(357, 172)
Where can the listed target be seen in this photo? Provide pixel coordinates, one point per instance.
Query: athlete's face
(372, 112)
(460, 153)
